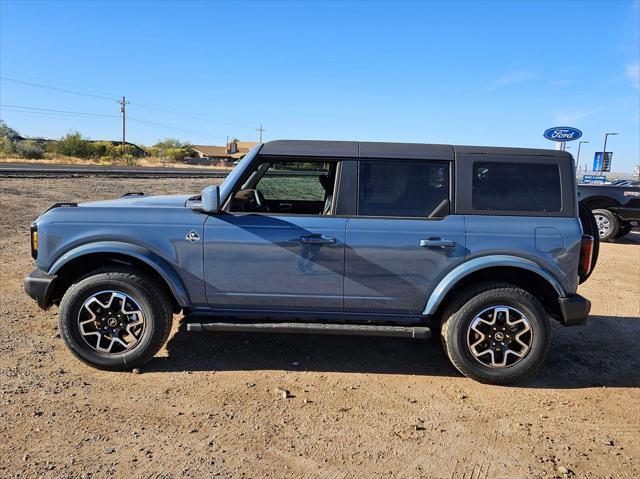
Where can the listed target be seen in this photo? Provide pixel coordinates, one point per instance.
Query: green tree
(172, 149)
(6, 131)
(73, 144)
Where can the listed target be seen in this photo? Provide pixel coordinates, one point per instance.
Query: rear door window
(504, 186)
(402, 188)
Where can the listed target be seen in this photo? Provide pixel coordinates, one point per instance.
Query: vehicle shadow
(602, 353)
(633, 237)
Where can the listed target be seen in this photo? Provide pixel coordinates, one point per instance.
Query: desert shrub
(30, 150)
(175, 154)
(73, 144)
(100, 148)
(129, 160)
(171, 149)
(105, 159)
(7, 146)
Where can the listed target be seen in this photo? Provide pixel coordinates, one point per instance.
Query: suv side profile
(481, 244)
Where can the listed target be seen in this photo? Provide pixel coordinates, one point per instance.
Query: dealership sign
(600, 164)
(594, 179)
(562, 133)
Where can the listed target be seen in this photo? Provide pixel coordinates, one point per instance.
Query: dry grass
(150, 162)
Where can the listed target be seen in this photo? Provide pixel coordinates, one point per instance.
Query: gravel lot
(209, 404)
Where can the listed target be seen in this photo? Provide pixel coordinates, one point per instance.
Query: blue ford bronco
(481, 245)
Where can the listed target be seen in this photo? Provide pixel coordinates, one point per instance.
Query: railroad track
(32, 170)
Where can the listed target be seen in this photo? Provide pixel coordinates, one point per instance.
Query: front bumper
(39, 285)
(575, 309)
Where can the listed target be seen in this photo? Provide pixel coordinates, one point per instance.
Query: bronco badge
(192, 236)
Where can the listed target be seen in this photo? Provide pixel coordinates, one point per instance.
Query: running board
(421, 332)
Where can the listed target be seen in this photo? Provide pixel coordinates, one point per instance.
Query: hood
(141, 201)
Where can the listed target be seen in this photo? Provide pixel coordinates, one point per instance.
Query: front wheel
(496, 333)
(115, 318)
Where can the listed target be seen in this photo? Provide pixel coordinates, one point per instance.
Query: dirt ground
(208, 405)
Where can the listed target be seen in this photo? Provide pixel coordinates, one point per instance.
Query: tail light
(34, 241)
(586, 255)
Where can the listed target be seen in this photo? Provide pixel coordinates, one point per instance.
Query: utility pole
(123, 105)
(261, 130)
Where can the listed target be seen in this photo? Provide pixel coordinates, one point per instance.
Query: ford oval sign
(562, 133)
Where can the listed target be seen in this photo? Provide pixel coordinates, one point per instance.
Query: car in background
(616, 207)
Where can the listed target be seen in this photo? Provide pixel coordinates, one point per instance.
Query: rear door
(403, 237)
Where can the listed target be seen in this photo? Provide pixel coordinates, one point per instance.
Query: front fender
(455, 275)
(156, 262)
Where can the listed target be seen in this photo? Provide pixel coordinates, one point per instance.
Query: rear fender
(460, 272)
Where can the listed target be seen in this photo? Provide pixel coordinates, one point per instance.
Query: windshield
(236, 173)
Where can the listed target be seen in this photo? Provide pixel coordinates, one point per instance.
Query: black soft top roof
(418, 151)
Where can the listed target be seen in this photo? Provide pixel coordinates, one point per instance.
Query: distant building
(233, 151)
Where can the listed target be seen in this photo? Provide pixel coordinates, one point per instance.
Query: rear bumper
(39, 286)
(575, 309)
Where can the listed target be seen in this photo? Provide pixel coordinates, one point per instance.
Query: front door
(283, 250)
(280, 263)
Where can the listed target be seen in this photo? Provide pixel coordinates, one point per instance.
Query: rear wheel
(608, 224)
(625, 229)
(115, 318)
(496, 333)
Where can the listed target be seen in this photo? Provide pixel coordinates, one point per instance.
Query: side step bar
(315, 328)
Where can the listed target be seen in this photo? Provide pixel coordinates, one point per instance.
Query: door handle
(437, 243)
(317, 239)
(285, 206)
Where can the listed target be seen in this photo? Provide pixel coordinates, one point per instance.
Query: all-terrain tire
(152, 298)
(608, 224)
(467, 305)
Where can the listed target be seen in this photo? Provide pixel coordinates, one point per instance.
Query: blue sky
(489, 73)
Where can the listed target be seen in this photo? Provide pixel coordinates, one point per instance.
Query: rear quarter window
(504, 186)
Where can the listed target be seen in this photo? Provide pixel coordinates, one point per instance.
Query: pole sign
(602, 165)
(594, 179)
(562, 133)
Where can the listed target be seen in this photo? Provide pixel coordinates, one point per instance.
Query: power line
(50, 111)
(160, 125)
(65, 90)
(54, 116)
(188, 115)
(116, 100)
(57, 111)
(48, 81)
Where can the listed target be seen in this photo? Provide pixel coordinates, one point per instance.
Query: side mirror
(211, 199)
